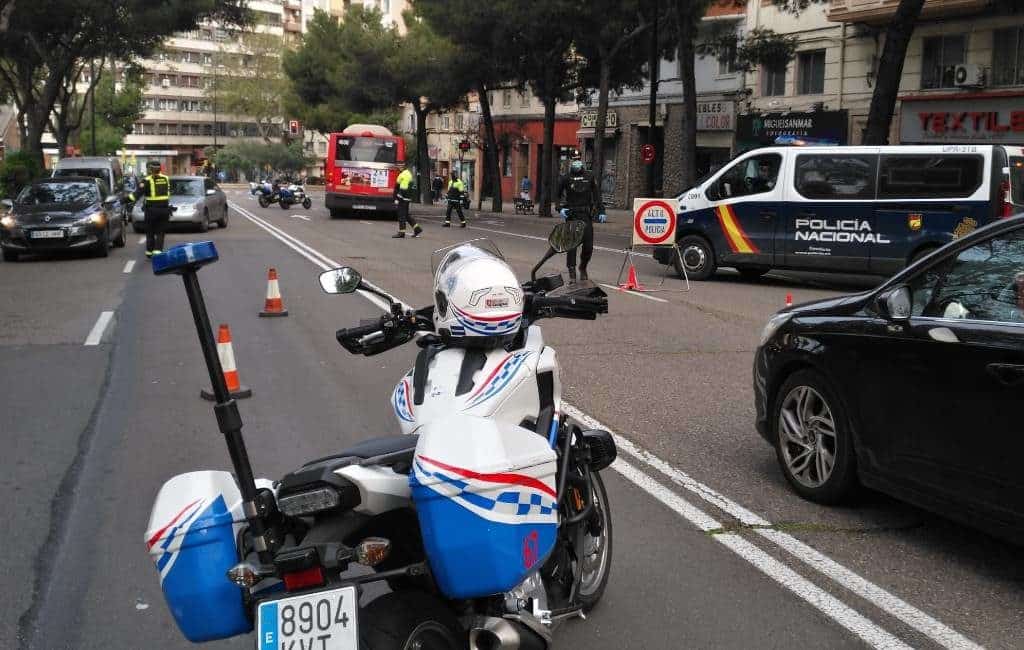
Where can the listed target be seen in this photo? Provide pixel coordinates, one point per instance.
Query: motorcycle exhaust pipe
(492, 633)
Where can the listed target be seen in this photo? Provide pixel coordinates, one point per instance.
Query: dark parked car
(915, 388)
(60, 214)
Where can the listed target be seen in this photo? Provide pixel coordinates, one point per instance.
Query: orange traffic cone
(632, 283)
(274, 306)
(789, 300)
(227, 364)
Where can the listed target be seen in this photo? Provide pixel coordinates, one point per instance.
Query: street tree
(541, 37)
(610, 41)
(250, 81)
(421, 69)
(477, 26)
(117, 110)
(341, 71)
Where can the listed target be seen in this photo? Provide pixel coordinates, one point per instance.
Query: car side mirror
(210, 192)
(343, 280)
(110, 200)
(897, 303)
(713, 194)
(7, 203)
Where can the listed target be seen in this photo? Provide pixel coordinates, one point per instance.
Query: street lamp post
(92, 105)
(652, 114)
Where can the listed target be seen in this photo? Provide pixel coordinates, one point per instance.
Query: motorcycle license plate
(324, 620)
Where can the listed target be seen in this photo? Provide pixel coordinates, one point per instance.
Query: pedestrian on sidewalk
(524, 188)
(155, 188)
(403, 197)
(456, 190)
(436, 186)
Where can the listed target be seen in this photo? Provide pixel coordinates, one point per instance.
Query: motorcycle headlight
(773, 325)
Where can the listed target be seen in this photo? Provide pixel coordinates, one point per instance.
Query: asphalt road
(711, 547)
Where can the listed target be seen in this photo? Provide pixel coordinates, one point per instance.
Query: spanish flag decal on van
(738, 241)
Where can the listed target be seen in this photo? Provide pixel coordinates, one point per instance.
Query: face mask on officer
(576, 165)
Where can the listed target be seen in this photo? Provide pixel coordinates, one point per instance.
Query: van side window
(929, 177)
(836, 177)
(754, 175)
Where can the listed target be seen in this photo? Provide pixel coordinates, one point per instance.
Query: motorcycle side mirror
(343, 280)
(566, 236)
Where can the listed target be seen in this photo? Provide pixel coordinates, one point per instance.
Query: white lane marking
(299, 216)
(96, 333)
(129, 265)
(945, 636)
(632, 293)
(777, 571)
(368, 223)
(312, 255)
(915, 618)
(142, 240)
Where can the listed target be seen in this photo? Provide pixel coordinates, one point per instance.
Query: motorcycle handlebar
(580, 303)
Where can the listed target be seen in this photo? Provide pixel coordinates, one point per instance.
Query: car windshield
(1017, 180)
(364, 149)
(50, 193)
(94, 172)
(186, 187)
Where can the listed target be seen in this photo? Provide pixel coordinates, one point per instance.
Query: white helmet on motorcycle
(477, 299)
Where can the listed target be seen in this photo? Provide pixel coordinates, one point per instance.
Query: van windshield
(102, 174)
(1017, 180)
(364, 149)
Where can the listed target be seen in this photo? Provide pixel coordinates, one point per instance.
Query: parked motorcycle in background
(293, 194)
(268, 193)
(488, 520)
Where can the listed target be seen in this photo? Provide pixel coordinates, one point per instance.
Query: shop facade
(976, 118)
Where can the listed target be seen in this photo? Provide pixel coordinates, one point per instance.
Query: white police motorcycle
(489, 523)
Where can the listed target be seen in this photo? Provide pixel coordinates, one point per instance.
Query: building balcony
(881, 11)
(293, 26)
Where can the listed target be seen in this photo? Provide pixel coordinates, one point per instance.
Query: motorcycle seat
(373, 447)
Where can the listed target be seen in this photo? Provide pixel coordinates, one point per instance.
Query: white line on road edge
(895, 606)
(299, 216)
(96, 333)
(367, 223)
(777, 571)
(129, 265)
(836, 610)
(632, 293)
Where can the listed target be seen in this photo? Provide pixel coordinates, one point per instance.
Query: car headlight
(773, 325)
(98, 218)
(8, 221)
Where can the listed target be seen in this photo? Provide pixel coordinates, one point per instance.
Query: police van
(836, 208)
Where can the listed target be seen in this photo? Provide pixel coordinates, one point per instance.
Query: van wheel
(698, 258)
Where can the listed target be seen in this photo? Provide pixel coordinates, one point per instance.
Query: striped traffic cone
(274, 306)
(227, 364)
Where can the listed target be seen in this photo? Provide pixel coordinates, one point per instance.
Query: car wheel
(10, 256)
(698, 258)
(223, 222)
(204, 225)
(122, 236)
(813, 441)
(102, 247)
(750, 273)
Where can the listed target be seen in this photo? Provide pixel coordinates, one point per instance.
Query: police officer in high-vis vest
(456, 190)
(155, 188)
(403, 196)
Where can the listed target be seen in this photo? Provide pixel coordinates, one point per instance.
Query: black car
(61, 214)
(915, 388)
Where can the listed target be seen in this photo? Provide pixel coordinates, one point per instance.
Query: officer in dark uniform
(155, 188)
(580, 200)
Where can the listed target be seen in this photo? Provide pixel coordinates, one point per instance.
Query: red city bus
(362, 165)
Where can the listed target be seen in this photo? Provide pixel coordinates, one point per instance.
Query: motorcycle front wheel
(263, 201)
(306, 203)
(594, 541)
(410, 620)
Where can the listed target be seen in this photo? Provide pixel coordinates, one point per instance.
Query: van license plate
(364, 207)
(47, 234)
(325, 620)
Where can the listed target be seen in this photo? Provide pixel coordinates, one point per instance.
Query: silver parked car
(198, 202)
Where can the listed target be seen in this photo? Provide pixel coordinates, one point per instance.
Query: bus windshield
(365, 149)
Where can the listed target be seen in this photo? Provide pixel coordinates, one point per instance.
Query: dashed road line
(129, 265)
(839, 612)
(96, 333)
